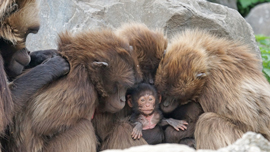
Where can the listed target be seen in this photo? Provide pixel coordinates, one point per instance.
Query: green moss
(244, 6)
(264, 45)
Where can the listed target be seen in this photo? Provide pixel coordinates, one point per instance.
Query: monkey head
(20, 20)
(108, 61)
(143, 99)
(181, 73)
(148, 44)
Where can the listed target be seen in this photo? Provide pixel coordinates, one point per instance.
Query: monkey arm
(27, 84)
(176, 124)
(137, 130)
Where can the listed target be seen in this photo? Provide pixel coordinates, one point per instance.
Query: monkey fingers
(177, 124)
(136, 134)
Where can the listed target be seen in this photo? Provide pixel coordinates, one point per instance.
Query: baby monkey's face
(147, 103)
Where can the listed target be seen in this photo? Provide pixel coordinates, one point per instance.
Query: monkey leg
(79, 138)
(214, 131)
(174, 136)
(120, 137)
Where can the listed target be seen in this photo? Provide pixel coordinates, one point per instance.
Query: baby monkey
(147, 117)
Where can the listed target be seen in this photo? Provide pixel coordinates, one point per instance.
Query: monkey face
(116, 101)
(18, 61)
(146, 103)
(169, 104)
(181, 74)
(14, 60)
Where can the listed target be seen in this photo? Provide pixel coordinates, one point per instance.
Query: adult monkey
(17, 20)
(223, 76)
(58, 117)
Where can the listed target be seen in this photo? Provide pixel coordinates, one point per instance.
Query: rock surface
(170, 15)
(259, 19)
(250, 142)
(229, 3)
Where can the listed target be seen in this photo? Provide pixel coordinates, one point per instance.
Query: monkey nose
(123, 99)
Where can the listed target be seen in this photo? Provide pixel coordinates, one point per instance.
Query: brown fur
(120, 137)
(15, 27)
(6, 8)
(114, 131)
(63, 109)
(234, 88)
(15, 19)
(6, 104)
(148, 44)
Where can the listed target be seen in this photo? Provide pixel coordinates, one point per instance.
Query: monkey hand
(37, 57)
(177, 124)
(137, 131)
(58, 66)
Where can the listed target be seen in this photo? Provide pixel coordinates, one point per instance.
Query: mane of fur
(102, 46)
(6, 106)
(148, 44)
(14, 27)
(194, 51)
(6, 8)
(234, 86)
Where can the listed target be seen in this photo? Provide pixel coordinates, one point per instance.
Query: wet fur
(234, 94)
(58, 117)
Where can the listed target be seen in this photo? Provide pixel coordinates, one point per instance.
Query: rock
(230, 3)
(250, 142)
(171, 15)
(259, 19)
(157, 148)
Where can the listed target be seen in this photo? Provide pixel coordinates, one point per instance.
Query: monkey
(146, 115)
(189, 112)
(224, 77)
(17, 20)
(58, 117)
(149, 46)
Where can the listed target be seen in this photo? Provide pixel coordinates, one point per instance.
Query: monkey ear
(159, 97)
(164, 52)
(201, 75)
(131, 48)
(129, 101)
(99, 64)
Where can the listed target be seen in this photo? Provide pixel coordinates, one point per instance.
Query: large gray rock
(259, 19)
(229, 3)
(250, 142)
(171, 15)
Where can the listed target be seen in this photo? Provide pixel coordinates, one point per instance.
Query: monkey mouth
(169, 105)
(147, 110)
